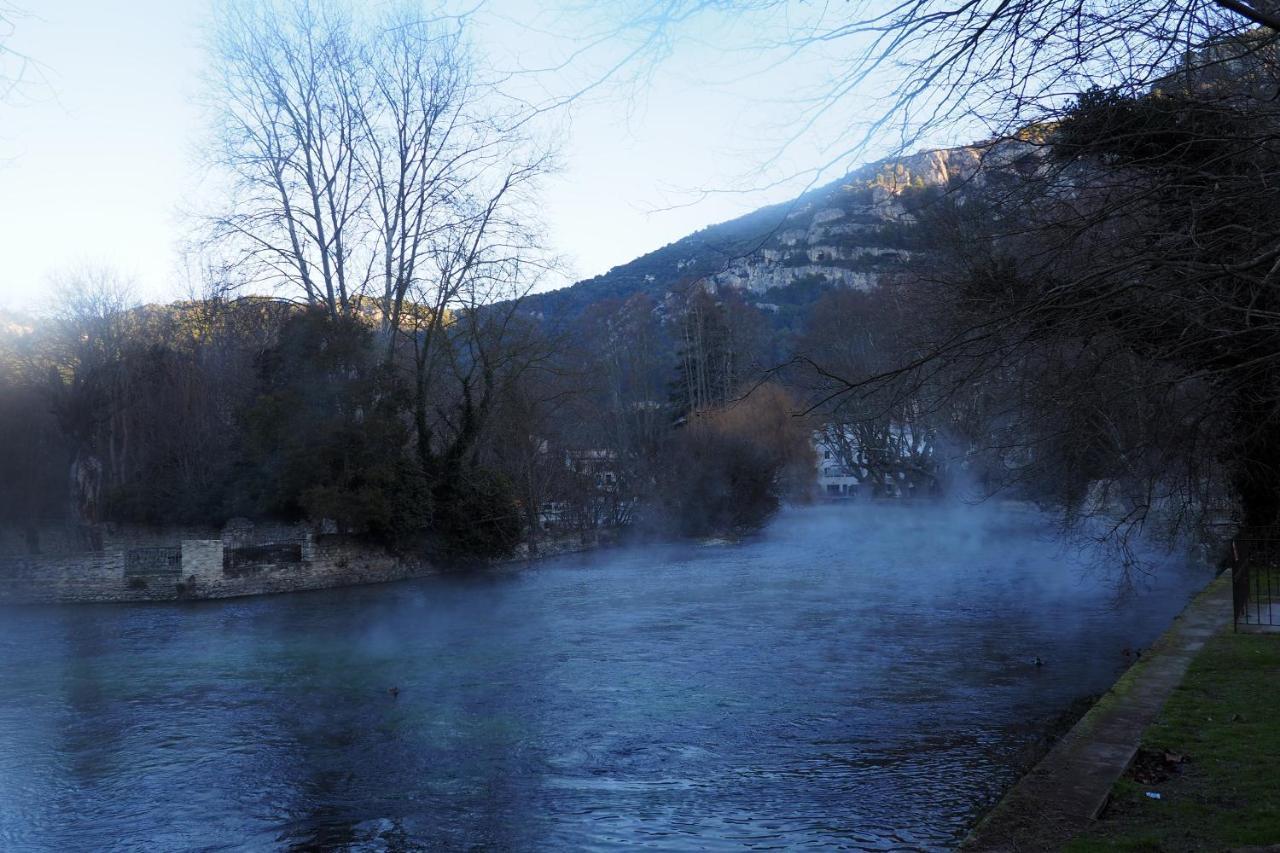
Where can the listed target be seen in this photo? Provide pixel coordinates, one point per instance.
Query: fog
(855, 675)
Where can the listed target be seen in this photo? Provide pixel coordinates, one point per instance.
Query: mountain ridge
(849, 232)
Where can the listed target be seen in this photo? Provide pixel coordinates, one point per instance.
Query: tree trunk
(1257, 477)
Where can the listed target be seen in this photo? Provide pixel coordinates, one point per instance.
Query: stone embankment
(1064, 794)
(116, 564)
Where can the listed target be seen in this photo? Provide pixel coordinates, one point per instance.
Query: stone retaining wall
(243, 558)
(74, 539)
(246, 559)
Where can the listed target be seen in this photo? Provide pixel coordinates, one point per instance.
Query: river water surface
(852, 678)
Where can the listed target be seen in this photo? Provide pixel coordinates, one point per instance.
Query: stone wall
(66, 538)
(166, 565)
(555, 546)
(243, 558)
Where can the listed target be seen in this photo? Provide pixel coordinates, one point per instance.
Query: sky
(100, 157)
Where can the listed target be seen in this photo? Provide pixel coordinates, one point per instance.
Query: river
(853, 677)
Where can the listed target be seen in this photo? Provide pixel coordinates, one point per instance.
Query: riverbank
(1212, 756)
(113, 564)
(1061, 798)
(841, 680)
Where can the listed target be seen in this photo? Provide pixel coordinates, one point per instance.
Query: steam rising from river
(854, 676)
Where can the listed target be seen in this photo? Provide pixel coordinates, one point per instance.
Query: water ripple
(845, 681)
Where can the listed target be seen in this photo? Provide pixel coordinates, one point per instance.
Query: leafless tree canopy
(17, 69)
(368, 165)
(374, 175)
(1106, 286)
(1100, 290)
(944, 72)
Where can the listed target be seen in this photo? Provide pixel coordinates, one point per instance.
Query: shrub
(730, 468)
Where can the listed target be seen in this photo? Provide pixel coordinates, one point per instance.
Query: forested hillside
(1056, 315)
(851, 232)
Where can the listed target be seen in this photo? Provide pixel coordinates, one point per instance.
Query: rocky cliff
(847, 233)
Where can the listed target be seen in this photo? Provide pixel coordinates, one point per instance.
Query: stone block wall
(242, 559)
(68, 538)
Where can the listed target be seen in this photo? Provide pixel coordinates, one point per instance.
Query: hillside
(849, 233)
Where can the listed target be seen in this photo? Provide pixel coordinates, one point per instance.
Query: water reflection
(846, 680)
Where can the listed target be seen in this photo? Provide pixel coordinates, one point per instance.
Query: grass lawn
(1224, 719)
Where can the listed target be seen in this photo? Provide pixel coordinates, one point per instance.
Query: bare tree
(722, 339)
(369, 162)
(17, 69)
(941, 71)
(427, 146)
(1115, 263)
(894, 441)
(1120, 281)
(81, 362)
(453, 313)
(359, 148)
(289, 103)
(630, 359)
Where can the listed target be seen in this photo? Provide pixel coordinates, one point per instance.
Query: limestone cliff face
(851, 232)
(848, 233)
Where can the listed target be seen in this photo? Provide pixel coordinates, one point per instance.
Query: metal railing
(1255, 582)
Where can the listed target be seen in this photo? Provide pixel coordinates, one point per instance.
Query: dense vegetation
(196, 412)
(1080, 312)
(1209, 755)
(987, 363)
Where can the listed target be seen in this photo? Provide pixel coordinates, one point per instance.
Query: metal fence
(153, 562)
(253, 559)
(1255, 581)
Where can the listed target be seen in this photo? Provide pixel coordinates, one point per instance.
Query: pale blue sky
(98, 166)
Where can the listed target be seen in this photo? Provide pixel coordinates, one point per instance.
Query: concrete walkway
(1068, 789)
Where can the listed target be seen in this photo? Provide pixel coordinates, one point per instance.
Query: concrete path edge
(1067, 790)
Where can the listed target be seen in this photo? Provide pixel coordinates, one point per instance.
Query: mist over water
(853, 677)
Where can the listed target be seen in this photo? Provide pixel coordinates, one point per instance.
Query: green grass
(1225, 716)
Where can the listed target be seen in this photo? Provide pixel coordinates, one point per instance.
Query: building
(598, 466)
(836, 481)
(839, 480)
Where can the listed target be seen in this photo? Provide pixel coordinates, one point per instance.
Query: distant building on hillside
(588, 493)
(598, 465)
(840, 477)
(836, 481)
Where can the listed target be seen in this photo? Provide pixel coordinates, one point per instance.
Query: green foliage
(1160, 130)
(325, 438)
(34, 457)
(919, 196)
(719, 484)
(181, 467)
(1222, 718)
(161, 499)
(804, 291)
(476, 514)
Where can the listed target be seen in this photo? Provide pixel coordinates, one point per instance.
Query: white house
(839, 481)
(835, 480)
